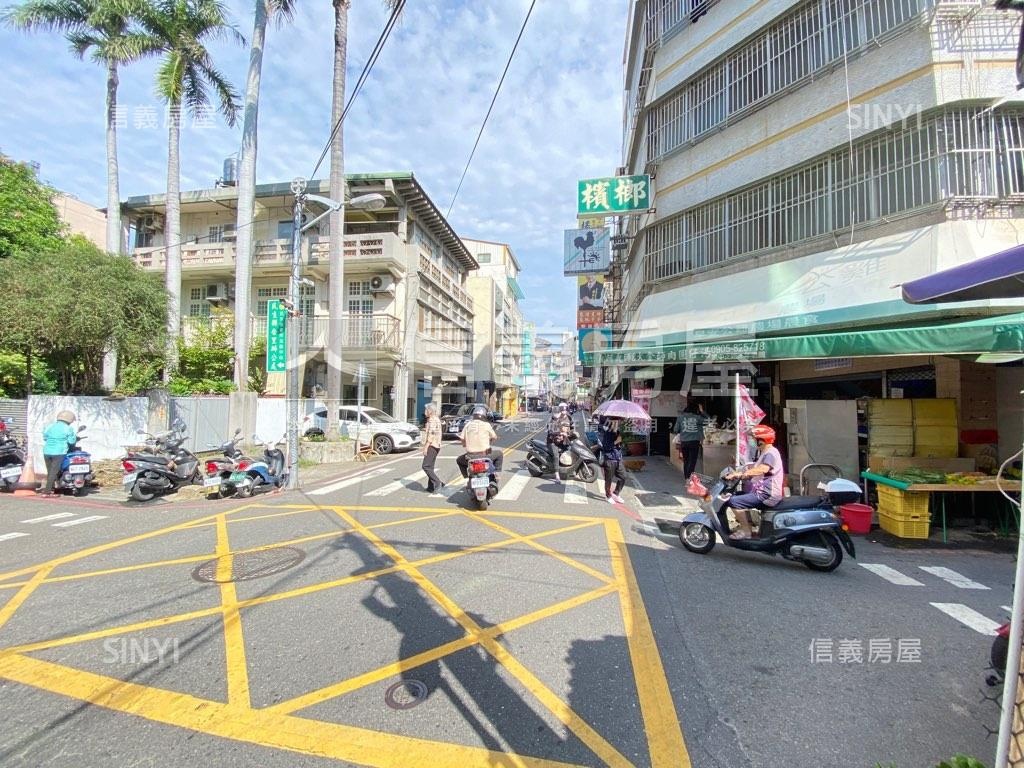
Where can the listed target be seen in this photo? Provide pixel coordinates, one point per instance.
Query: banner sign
(527, 355)
(277, 345)
(589, 318)
(593, 340)
(748, 415)
(615, 194)
(586, 250)
(590, 291)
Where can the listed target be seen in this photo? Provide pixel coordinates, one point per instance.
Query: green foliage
(13, 370)
(139, 374)
(961, 761)
(205, 365)
(52, 309)
(29, 223)
(258, 366)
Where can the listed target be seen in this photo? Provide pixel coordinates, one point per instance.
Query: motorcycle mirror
(82, 428)
(238, 432)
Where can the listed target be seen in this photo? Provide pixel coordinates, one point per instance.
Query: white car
(385, 433)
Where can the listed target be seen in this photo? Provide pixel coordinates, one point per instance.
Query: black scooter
(799, 528)
(577, 460)
(12, 457)
(164, 470)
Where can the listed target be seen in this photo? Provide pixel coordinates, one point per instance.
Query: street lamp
(373, 201)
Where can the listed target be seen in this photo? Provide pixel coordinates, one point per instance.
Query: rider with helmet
(766, 473)
(560, 434)
(477, 436)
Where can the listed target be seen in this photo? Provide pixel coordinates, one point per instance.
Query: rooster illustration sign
(586, 251)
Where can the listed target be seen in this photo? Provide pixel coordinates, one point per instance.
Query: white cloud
(556, 120)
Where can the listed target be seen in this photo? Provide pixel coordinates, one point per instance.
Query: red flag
(748, 414)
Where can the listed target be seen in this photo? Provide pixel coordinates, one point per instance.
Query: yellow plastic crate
(913, 527)
(902, 504)
(935, 413)
(895, 413)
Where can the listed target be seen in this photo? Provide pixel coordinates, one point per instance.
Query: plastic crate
(911, 527)
(902, 504)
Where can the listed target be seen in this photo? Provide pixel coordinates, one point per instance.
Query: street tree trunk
(336, 295)
(114, 244)
(247, 198)
(172, 238)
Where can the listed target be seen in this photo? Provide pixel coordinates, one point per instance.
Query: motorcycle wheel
(245, 491)
(696, 538)
(79, 490)
(10, 484)
(1000, 651)
(481, 504)
(139, 494)
(586, 472)
(532, 469)
(837, 556)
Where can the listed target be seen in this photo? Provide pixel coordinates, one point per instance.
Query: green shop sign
(614, 194)
(277, 345)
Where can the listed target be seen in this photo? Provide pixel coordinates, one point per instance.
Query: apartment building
(807, 158)
(497, 325)
(409, 315)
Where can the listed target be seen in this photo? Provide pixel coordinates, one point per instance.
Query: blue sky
(558, 118)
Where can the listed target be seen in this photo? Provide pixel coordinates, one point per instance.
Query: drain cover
(249, 565)
(405, 694)
(658, 500)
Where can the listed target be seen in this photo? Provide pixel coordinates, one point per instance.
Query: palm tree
(336, 241)
(181, 29)
(103, 28)
(265, 9)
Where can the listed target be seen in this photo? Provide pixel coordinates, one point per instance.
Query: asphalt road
(364, 621)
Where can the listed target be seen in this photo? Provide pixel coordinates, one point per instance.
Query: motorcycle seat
(795, 502)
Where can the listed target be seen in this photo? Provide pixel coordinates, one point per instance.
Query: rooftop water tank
(230, 171)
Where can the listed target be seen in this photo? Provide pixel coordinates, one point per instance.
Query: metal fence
(206, 420)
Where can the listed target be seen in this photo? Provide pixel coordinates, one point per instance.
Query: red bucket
(856, 517)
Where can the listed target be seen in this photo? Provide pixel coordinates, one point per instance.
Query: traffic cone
(27, 483)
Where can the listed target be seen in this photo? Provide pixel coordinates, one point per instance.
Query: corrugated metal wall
(206, 420)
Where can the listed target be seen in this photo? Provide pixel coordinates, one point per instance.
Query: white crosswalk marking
(79, 521)
(575, 493)
(514, 487)
(891, 575)
(1007, 608)
(348, 482)
(969, 617)
(6, 536)
(397, 485)
(448, 491)
(954, 578)
(46, 518)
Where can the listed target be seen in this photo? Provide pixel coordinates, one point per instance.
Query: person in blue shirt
(611, 457)
(56, 439)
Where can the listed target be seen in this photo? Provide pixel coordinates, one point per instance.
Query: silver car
(384, 432)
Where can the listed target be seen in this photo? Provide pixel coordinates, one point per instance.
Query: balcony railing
(359, 331)
(452, 287)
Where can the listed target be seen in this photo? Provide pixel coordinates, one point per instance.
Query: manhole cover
(250, 565)
(657, 500)
(405, 694)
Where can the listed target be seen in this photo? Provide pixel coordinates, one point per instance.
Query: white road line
(79, 521)
(397, 485)
(969, 617)
(6, 536)
(575, 493)
(449, 490)
(45, 518)
(514, 487)
(1007, 608)
(348, 481)
(891, 575)
(954, 578)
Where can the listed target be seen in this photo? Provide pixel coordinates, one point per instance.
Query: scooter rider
(560, 434)
(477, 436)
(767, 473)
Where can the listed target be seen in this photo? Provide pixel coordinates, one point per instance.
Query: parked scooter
(220, 468)
(799, 528)
(12, 457)
(251, 476)
(483, 481)
(76, 467)
(165, 469)
(577, 460)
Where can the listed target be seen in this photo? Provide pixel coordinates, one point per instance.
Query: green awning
(513, 286)
(991, 334)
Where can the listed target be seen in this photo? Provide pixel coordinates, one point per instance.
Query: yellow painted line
(234, 640)
(310, 737)
(405, 665)
(541, 516)
(541, 548)
(698, 48)
(299, 592)
(22, 594)
(562, 711)
(661, 724)
(838, 109)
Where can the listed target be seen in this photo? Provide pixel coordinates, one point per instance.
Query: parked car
(455, 423)
(386, 433)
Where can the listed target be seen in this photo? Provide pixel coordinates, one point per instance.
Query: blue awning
(1000, 276)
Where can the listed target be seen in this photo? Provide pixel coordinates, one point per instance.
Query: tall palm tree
(181, 29)
(101, 28)
(336, 240)
(265, 10)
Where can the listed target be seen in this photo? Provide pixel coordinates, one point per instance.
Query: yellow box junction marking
(275, 726)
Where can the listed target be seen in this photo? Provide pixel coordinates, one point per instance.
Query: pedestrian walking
(56, 439)
(689, 434)
(431, 447)
(611, 458)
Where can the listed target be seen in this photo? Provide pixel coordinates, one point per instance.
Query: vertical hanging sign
(277, 345)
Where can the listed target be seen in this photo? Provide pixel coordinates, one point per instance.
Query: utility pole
(299, 190)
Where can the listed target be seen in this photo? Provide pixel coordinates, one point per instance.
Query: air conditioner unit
(382, 284)
(152, 222)
(230, 233)
(219, 293)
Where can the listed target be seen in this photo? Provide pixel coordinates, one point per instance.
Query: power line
(385, 33)
(491, 107)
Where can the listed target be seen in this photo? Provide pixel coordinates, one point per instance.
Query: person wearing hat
(767, 473)
(56, 439)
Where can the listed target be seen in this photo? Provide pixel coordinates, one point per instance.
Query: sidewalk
(658, 491)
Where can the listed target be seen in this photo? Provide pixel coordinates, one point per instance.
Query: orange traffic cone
(27, 482)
